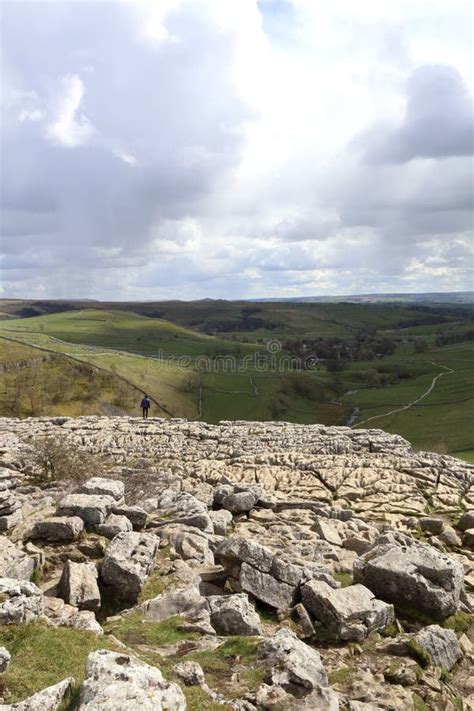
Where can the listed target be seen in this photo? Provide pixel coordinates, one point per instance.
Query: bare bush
(50, 459)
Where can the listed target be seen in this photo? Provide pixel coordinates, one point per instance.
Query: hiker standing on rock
(145, 405)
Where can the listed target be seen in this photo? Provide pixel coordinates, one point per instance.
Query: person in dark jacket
(145, 405)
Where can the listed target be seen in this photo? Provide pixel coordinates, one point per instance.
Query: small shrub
(460, 622)
(50, 459)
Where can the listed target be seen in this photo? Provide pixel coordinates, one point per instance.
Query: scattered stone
(413, 575)
(78, 585)
(466, 521)
(185, 601)
(468, 538)
(441, 644)
(434, 526)
(99, 486)
(304, 619)
(21, 602)
(221, 521)
(450, 537)
(120, 681)
(128, 561)
(49, 699)
(351, 613)
(233, 614)
(190, 673)
(5, 658)
(113, 525)
(60, 614)
(135, 514)
(327, 531)
(91, 508)
(58, 529)
(14, 563)
(296, 673)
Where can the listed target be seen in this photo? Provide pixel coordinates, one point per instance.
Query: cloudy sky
(235, 148)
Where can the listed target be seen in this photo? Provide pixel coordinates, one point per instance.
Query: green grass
(42, 656)
(340, 676)
(134, 629)
(345, 579)
(460, 622)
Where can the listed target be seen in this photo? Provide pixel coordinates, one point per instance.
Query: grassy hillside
(33, 382)
(418, 388)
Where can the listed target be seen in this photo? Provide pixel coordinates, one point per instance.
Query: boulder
(60, 614)
(78, 585)
(466, 521)
(21, 602)
(183, 601)
(297, 674)
(120, 681)
(190, 545)
(58, 529)
(100, 486)
(128, 561)
(441, 644)
(233, 614)
(434, 526)
(327, 530)
(190, 673)
(221, 521)
(14, 563)
(49, 699)
(91, 508)
(5, 658)
(412, 575)
(135, 514)
(351, 613)
(113, 525)
(468, 538)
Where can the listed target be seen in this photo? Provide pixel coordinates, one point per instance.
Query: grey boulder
(299, 680)
(14, 563)
(413, 575)
(234, 615)
(121, 681)
(128, 561)
(101, 486)
(441, 644)
(113, 525)
(49, 699)
(57, 529)
(91, 508)
(351, 613)
(5, 658)
(21, 602)
(78, 585)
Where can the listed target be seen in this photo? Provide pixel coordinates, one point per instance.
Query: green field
(171, 354)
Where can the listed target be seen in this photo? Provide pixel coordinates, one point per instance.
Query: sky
(187, 149)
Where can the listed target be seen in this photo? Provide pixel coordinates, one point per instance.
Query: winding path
(446, 371)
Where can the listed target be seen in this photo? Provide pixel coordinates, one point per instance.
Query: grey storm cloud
(438, 123)
(137, 166)
(162, 122)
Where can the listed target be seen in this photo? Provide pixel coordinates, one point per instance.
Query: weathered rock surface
(49, 699)
(121, 681)
(21, 602)
(441, 644)
(57, 529)
(5, 658)
(14, 563)
(413, 575)
(91, 508)
(113, 525)
(128, 562)
(233, 614)
(298, 672)
(269, 510)
(351, 613)
(100, 486)
(78, 585)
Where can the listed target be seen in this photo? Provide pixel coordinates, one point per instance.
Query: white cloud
(191, 148)
(69, 127)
